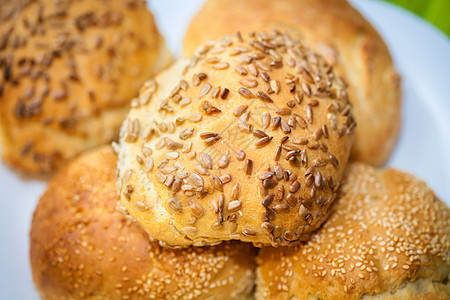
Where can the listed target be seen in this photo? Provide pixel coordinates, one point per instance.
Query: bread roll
(248, 142)
(82, 248)
(68, 70)
(337, 31)
(388, 237)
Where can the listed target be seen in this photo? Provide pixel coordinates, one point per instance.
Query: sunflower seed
(241, 70)
(266, 120)
(186, 133)
(275, 86)
(248, 232)
(278, 152)
(217, 183)
(224, 160)
(309, 114)
(196, 180)
(187, 147)
(306, 88)
(244, 59)
(215, 93)
(333, 160)
(264, 97)
(175, 206)
(224, 93)
(148, 164)
(280, 208)
(190, 230)
(253, 70)
(266, 175)
(248, 83)
(295, 186)
(284, 111)
(240, 110)
(267, 200)
(263, 141)
(318, 179)
(212, 60)
(300, 121)
(279, 194)
(201, 170)
(140, 205)
(265, 76)
(240, 155)
(246, 93)
(234, 205)
(285, 127)
(221, 66)
(185, 101)
(318, 134)
(206, 160)
(259, 134)
(235, 192)
(196, 210)
(205, 89)
(169, 180)
(172, 155)
(195, 118)
(225, 178)
(267, 227)
(248, 166)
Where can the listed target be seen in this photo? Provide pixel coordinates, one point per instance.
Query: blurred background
(436, 12)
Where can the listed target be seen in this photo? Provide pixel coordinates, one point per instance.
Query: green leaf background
(436, 12)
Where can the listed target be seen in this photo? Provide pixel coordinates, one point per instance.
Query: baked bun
(247, 142)
(68, 70)
(346, 40)
(82, 248)
(388, 237)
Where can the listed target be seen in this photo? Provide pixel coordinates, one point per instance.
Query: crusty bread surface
(388, 237)
(248, 140)
(347, 41)
(81, 247)
(69, 70)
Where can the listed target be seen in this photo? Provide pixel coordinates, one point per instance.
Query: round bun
(388, 237)
(68, 70)
(247, 142)
(83, 248)
(347, 41)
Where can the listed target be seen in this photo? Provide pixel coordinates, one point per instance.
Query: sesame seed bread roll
(68, 70)
(388, 237)
(247, 141)
(81, 247)
(343, 37)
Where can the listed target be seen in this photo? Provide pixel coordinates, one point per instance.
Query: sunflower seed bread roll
(81, 247)
(343, 37)
(68, 70)
(388, 237)
(247, 141)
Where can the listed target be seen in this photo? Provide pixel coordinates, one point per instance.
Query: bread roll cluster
(231, 176)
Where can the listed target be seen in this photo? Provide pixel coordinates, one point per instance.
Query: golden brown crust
(180, 155)
(82, 248)
(338, 32)
(388, 237)
(68, 72)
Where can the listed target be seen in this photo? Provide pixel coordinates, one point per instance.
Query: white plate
(422, 55)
